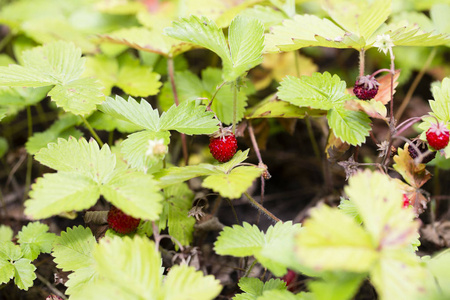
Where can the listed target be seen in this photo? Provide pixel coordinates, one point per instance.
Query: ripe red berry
(423, 148)
(121, 222)
(223, 145)
(406, 201)
(438, 136)
(366, 87)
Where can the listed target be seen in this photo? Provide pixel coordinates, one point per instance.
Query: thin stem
(361, 62)
(391, 110)
(171, 72)
(235, 90)
(254, 143)
(29, 157)
(50, 286)
(262, 208)
(233, 210)
(312, 138)
(5, 40)
(414, 85)
(406, 124)
(214, 96)
(111, 137)
(247, 272)
(92, 131)
(379, 71)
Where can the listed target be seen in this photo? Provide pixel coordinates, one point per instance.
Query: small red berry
(406, 201)
(366, 87)
(423, 148)
(289, 277)
(223, 145)
(438, 136)
(121, 222)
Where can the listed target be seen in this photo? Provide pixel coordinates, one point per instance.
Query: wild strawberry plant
(122, 71)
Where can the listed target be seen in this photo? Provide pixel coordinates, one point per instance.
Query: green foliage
(6, 233)
(13, 264)
(73, 251)
(247, 240)
(190, 87)
(34, 239)
(84, 173)
(326, 92)
(175, 215)
(57, 64)
(137, 274)
(240, 56)
(253, 287)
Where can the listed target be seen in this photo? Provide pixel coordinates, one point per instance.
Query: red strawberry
(406, 201)
(223, 145)
(423, 148)
(366, 87)
(438, 136)
(121, 222)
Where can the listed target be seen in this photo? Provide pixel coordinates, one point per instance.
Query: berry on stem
(366, 87)
(121, 222)
(406, 201)
(223, 145)
(438, 135)
(423, 148)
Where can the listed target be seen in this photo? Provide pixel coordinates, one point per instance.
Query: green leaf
(6, 233)
(8, 253)
(178, 203)
(399, 275)
(283, 294)
(60, 64)
(80, 279)
(336, 287)
(136, 268)
(35, 239)
(361, 18)
(203, 32)
(101, 121)
(80, 96)
(379, 204)
(308, 31)
(274, 108)
(248, 240)
(104, 68)
(319, 91)
(175, 175)
(412, 35)
(73, 249)
(141, 114)
(184, 282)
(3, 149)
(223, 102)
(438, 266)
(24, 273)
(189, 118)
(79, 156)
(350, 126)
(441, 103)
(240, 241)
(135, 193)
(244, 55)
(238, 157)
(265, 14)
(62, 128)
(332, 241)
(20, 97)
(253, 287)
(349, 208)
(60, 192)
(138, 148)
(137, 80)
(233, 184)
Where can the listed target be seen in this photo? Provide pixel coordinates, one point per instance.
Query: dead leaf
(438, 234)
(335, 147)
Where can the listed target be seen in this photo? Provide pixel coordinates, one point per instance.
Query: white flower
(384, 43)
(156, 148)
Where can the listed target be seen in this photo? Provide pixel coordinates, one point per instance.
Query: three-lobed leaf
(35, 239)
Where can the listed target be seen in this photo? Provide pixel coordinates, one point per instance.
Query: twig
(262, 208)
(50, 286)
(414, 85)
(92, 131)
(214, 95)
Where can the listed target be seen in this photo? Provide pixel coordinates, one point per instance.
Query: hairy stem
(235, 91)
(233, 210)
(92, 131)
(171, 72)
(391, 110)
(214, 96)
(362, 53)
(262, 208)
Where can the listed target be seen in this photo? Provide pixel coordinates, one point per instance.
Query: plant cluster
(97, 70)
